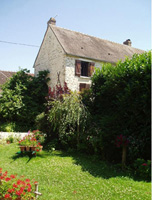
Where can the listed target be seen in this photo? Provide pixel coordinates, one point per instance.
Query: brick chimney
(127, 42)
(51, 21)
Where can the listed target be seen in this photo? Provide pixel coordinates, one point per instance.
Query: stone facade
(70, 78)
(51, 57)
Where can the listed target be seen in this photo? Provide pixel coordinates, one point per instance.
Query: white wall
(4, 135)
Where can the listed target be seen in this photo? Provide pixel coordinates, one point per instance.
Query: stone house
(72, 56)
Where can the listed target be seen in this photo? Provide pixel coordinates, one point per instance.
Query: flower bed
(14, 188)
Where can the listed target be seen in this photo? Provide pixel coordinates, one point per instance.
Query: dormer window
(83, 68)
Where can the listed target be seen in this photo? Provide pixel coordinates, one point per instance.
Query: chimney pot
(127, 42)
(52, 21)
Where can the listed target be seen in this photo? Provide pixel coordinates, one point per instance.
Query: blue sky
(25, 21)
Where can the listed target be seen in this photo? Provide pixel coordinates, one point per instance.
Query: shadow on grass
(29, 155)
(98, 168)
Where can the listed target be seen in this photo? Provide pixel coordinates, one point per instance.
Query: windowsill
(85, 77)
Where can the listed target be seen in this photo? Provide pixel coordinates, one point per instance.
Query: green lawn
(64, 176)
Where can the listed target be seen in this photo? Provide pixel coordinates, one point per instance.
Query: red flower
(7, 179)
(12, 176)
(29, 189)
(27, 180)
(29, 185)
(1, 177)
(35, 182)
(14, 185)
(5, 174)
(19, 182)
(37, 150)
(7, 196)
(10, 190)
(18, 193)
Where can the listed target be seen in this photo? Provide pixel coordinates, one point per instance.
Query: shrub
(143, 168)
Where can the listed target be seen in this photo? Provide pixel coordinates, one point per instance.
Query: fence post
(0, 179)
(37, 193)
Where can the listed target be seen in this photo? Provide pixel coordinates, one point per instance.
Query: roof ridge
(7, 71)
(94, 37)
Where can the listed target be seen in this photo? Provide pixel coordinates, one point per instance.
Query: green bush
(119, 103)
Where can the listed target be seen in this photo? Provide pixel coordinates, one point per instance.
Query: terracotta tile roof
(86, 46)
(5, 75)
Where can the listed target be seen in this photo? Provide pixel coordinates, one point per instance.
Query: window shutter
(78, 68)
(82, 86)
(87, 86)
(91, 69)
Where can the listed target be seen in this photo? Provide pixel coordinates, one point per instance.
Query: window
(83, 68)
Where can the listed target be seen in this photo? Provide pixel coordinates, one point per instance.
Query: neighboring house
(71, 56)
(5, 75)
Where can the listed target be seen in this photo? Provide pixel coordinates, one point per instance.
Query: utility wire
(30, 45)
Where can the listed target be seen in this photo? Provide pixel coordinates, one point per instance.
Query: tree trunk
(124, 152)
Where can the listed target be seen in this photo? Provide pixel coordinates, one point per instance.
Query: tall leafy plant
(68, 118)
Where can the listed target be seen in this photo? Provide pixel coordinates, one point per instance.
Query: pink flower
(144, 164)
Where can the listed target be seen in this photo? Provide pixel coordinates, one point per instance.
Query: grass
(64, 176)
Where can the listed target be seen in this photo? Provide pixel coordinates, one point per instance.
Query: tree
(23, 97)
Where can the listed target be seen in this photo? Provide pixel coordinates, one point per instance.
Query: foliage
(143, 168)
(68, 118)
(119, 103)
(23, 97)
(71, 176)
(13, 126)
(12, 187)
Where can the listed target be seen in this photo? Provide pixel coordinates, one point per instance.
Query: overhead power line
(30, 45)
